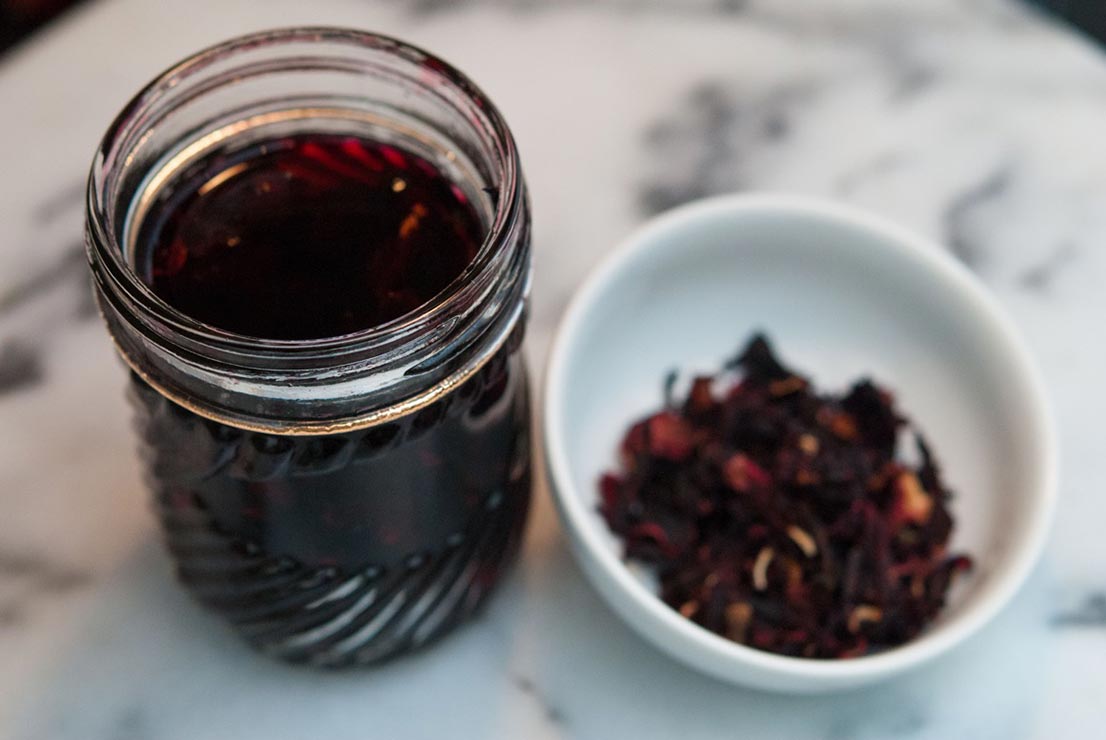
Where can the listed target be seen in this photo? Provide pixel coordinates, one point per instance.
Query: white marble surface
(973, 121)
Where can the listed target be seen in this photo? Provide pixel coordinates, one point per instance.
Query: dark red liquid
(347, 548)
(307, 236)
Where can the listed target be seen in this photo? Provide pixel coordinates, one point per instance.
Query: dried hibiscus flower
(784, 519)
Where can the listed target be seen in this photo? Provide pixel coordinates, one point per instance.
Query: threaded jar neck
(310, 80)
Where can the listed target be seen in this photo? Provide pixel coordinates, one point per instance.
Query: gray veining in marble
(1090, 613)
(963, 213)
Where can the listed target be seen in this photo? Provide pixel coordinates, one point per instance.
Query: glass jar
(345, 499)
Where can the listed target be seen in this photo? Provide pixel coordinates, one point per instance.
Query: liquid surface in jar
(307, 236)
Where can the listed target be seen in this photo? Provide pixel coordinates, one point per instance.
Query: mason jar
(342, 499)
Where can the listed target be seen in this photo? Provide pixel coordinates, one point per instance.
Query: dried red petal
(670, 437)
(911, 505)
(700, 399)
(609, 486)
(654, 533)
(783, 519)
(744, 475)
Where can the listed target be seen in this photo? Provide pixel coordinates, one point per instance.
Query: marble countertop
(977, 122)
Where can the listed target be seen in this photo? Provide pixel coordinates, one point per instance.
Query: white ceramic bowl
(841, 294)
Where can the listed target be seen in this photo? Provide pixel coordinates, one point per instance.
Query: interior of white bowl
(842, 296)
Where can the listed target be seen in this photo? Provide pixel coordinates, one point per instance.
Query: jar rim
(313, 385)
(508, 203)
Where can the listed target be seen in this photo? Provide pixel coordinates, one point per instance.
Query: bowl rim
(1007, 577)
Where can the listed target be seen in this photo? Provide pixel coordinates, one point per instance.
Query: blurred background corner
(19, 18)
(1087, 15)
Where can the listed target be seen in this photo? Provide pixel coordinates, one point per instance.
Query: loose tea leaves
(784, 519)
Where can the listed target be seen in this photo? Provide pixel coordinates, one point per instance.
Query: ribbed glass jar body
(341, 500)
